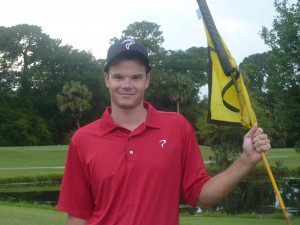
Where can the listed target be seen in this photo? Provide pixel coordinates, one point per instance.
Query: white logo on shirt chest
(162, 143)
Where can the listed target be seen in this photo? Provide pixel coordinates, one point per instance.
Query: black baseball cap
(124, 48)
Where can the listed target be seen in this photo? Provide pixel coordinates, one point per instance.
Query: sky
(90, 24)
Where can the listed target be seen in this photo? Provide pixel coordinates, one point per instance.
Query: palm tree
(180, 88)
(74, 97)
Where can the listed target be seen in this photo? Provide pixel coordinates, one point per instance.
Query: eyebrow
(132, 75)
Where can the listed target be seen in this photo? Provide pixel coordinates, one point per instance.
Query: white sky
(90, 24)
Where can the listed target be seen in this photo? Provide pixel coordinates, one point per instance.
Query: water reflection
(37, 197)
(255, 196)
(259, 197)
(290, 191)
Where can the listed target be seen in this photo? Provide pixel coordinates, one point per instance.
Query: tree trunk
(78, 123)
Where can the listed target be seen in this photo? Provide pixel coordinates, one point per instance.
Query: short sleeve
(75, 194)
(194, 174)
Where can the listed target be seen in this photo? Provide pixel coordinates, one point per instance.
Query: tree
(20, 126)
(34, 68)
(192, 62)
(284, 40)
(180, 88)
(148, 34)
(22, 47)
(257, 70)
(74, 97)
(224, 141)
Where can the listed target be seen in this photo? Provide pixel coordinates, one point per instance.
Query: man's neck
(129, 118)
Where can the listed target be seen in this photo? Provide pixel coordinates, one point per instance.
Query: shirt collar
(107, 124)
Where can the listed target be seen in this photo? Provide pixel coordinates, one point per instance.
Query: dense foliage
(48, 89)
(33, 70)
(274, 76)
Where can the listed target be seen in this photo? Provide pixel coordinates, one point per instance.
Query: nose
(126, 83)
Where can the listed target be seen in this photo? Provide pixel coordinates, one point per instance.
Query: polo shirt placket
(132, 152)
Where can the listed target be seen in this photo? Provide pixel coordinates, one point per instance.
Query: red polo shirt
(115, 176)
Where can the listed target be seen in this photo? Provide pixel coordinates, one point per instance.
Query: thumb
(252, 131)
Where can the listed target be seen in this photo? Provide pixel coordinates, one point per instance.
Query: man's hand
(255, 142)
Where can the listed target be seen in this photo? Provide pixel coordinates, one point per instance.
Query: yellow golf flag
(228, 104)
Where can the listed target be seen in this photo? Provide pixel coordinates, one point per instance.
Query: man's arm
(219, 186)
(72, 220)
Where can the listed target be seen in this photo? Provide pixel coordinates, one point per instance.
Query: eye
(117, 77)
(136, 77)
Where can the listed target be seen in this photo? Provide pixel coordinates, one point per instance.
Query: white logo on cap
(127, 43)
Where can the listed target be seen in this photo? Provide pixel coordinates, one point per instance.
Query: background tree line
(48, 90)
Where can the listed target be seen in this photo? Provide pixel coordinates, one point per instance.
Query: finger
(258, 132)
(264, 148)
(262, 144)
(260, 137)
(260, 140)
(252, 131)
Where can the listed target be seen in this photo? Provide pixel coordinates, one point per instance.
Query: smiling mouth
(129, 94)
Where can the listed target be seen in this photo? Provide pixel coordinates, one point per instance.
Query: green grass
(28, 188)
(288, 156)
(33, 156)
(26, 214)
(29, 173)
(206, 152)
(227, 220)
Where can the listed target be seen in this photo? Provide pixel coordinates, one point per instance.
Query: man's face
(127, 82)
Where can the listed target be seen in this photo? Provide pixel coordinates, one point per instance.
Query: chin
(128, 105)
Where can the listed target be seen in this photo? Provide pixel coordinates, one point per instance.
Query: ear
(148, 75)
(106, 77)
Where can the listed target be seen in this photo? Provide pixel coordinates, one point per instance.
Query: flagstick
(283, 209)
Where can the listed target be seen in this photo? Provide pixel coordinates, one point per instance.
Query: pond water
(254, 196)
(259, 197)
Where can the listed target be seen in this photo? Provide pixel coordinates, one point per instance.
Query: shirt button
(131, 152)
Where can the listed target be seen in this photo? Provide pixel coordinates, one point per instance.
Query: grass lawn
(29, 173)
(28, 188)
(16, 215)
(206, 152)
(33, 156)
(203, 220)
(12, 215)
(288, 156)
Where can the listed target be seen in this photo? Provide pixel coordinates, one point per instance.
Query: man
(132, 166)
